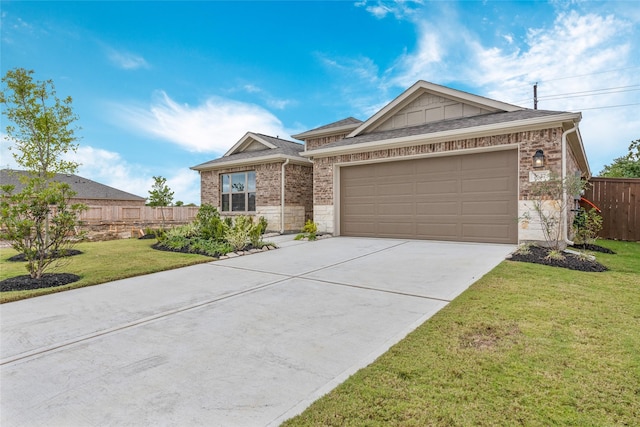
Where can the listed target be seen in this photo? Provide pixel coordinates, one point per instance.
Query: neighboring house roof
(348, 124)
(255, 148)
(84, 188)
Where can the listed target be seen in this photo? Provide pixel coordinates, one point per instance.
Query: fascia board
(432, 138)
(327, 131)
(253, 161)
(422, 86)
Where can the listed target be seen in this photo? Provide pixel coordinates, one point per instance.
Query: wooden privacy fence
(135, 215)
(619, 200)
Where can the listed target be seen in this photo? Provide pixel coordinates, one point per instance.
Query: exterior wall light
(538, 159)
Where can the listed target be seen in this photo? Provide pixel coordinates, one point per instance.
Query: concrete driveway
(247, 341)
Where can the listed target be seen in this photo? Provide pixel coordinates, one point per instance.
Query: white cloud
(6, 156)
(212, 126)
(398, 8)
(573, 55)
(126, 60)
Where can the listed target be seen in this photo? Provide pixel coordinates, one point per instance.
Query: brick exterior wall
(299, 188)
(313, 143)
(267, 184)
(298, 193)
(548, 140)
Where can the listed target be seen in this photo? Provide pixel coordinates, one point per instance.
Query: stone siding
(323, 216)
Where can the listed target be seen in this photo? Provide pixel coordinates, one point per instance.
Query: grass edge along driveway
(100, 262)
(525, 345)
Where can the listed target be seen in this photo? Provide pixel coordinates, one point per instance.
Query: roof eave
(328, 131)
(252, 161)
(431, 138)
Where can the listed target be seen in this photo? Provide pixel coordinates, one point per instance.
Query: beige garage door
(468, 198)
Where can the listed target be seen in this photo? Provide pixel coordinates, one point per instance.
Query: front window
(238, 191)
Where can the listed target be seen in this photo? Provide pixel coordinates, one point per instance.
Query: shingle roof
(84, 188)
(347, 121)
(283, 148)
(444, 125)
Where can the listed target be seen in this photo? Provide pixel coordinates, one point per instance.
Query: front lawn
(100, 262)
(526, 345)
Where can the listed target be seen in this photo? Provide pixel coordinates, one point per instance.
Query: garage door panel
(394, 228)
(501, 207)
(395, 209)
(478, 232)
(482, 185)
(437, 187)
(436, 231)
(438, 208)
(472, 197)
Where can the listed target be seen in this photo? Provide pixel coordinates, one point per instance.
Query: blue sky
(162, 86)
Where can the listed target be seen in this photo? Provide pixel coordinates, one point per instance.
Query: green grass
(526, 345)
(100, 262)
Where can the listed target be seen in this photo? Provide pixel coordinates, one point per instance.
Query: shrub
(210, 224)
(238, 235)
(309, 231)
(257, 231)
(587, 225)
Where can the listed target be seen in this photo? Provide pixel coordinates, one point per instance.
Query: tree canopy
(43, 129)
(626, 166)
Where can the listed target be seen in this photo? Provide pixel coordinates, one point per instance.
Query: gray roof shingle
(84, 188)
(444, 125)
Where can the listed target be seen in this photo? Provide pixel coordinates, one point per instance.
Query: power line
(589, 74)
(557, 97)
(608, 106)
(598, 90)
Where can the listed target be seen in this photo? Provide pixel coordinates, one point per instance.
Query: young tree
(160, 195)
(626, 166)
(38, 219)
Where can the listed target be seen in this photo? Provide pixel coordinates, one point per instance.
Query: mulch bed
(593, 248)
(68, 252)
(48, 280)
(539, 255)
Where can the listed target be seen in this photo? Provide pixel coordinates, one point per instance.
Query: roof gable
(250, 142)
(344, 125)
(256, 148)
(426, 102)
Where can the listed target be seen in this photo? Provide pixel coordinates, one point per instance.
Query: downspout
(286, 162)
(565, 227)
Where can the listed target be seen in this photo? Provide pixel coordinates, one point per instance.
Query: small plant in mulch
(554, 258)
(309, 231)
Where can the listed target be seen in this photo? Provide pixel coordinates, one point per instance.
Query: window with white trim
(238, 191)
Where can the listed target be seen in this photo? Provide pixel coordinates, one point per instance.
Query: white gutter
(286, 162)
(565, 227)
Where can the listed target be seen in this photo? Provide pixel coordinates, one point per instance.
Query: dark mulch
(593, 248)
(148, 236)
(538, 255)
(56, 254)
(48, 280)
(184, 250)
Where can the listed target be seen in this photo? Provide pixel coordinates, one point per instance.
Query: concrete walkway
(247, 341)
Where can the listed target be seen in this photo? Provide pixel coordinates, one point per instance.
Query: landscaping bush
(210, 235)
